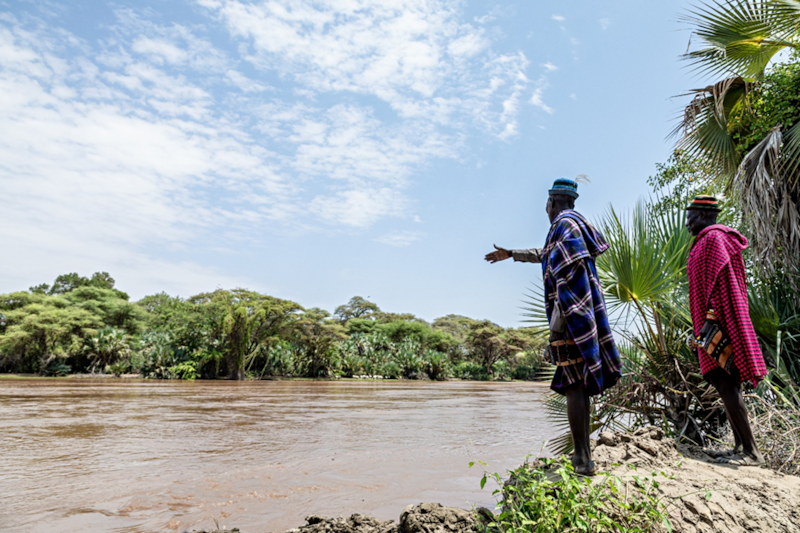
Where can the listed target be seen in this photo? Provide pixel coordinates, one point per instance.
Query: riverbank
(267, 378)
(701, 496)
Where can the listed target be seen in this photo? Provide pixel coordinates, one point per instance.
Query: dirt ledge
(705, 496)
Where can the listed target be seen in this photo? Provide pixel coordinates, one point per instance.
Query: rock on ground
(702, 496)
(422, 518)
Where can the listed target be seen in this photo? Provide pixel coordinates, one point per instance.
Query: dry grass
(776, 426)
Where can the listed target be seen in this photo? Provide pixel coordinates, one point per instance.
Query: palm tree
(108, 345)
(758, 165)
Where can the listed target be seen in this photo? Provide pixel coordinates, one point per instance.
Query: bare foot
(721, 453)
(743, 460)
(586, 469)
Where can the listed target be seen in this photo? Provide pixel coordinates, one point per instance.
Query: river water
(139, 456)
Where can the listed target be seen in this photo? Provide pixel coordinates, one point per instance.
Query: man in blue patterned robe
(582, 346)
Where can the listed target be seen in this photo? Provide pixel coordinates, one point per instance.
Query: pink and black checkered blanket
(717, 281)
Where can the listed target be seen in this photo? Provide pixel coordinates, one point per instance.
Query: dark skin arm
(552, 208)
(500, 254)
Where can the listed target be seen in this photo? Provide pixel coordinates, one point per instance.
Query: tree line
(86, 325)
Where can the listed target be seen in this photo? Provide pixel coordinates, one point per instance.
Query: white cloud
(151, 138)
(549, 67)
(244, 83)
(605, 23)
(416, 56)
(360, 207)
(403, 238)
(536, 100)
(98, 162)
(559, 18)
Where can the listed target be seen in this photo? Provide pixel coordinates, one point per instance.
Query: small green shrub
(185, 370)
(525, 372)
(57, 369)
(438, 365)
(118, 368)
(547, 496)
(470, 370)
(391, 370)
(501, 370)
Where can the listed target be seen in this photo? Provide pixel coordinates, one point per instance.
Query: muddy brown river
(110, 455)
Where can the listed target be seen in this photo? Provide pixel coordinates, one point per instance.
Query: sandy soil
(742, 498)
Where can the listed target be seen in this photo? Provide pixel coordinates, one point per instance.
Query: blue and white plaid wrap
(570, 277)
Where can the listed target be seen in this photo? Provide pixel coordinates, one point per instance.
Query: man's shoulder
(570, 219)
(720, 235)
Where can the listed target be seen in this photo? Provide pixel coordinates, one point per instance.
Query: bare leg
(737, 444)
(731, 395)
(578, 409)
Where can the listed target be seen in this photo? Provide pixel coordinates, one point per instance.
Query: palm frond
(534, 309)
(769, 201)
(703, 129)
(791, 150)
(646, 257)
(739, 37)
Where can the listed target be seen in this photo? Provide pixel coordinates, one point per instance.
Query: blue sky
(317, 150)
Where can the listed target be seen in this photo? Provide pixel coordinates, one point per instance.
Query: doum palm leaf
(703, 129)
(646, 257)
(767, 190)
(740, 37)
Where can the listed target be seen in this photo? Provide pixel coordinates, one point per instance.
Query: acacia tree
(357, 307)
(490, 343)
(40, 329)
(316, 334)
(239, 322)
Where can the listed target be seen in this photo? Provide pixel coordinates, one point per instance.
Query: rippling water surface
(139, 456)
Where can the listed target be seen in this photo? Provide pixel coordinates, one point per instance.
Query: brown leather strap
(568, 342)
(569, 362)
(565, 353)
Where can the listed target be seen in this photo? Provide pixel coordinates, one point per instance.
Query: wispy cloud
(403, 238)
(549, 67)
(605, 23)
(536, 100)
(312, 114)
(559, 18)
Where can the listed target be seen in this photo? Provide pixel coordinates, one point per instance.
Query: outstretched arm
(534, 255)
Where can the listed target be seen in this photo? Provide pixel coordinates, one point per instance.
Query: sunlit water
(131, 456)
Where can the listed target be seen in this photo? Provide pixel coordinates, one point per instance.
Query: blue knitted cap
(565, 186)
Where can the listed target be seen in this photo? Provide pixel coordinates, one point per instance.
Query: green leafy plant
(547, 496)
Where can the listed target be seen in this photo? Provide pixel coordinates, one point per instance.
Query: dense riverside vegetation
(81, 324)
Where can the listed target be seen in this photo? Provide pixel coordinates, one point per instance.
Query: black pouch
(716, 343)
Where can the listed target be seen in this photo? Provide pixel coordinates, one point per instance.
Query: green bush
(438, 365)
(470, 370)
(185, 370)
(119, 367)
(548, 496)
(501, 370)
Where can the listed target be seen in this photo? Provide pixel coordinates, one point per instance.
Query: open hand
(498, 255)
